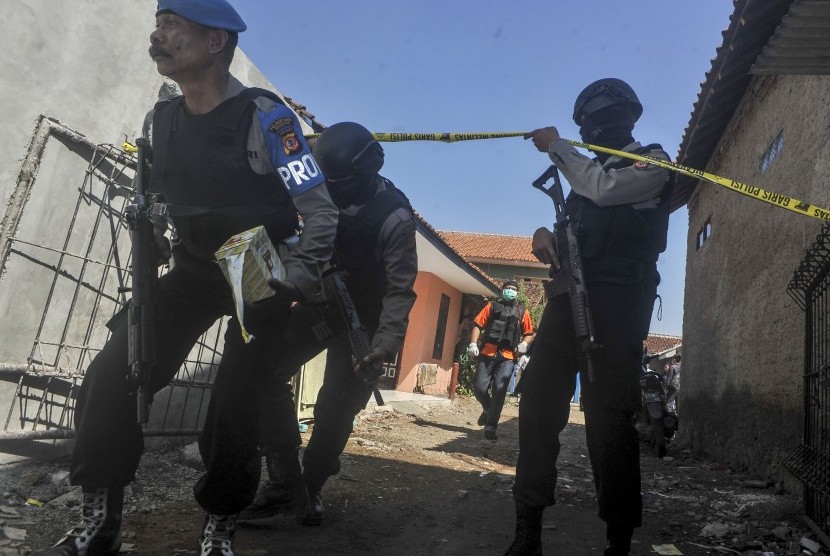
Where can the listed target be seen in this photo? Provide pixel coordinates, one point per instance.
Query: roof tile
(490, 246)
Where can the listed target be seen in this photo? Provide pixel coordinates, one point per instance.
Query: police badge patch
(641, 165)
(284, 127)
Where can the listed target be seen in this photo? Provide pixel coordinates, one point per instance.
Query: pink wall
(420, 337)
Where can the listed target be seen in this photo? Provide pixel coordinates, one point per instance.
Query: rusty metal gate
(65, 254)
(810, 463)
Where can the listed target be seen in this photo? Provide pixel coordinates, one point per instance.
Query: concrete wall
(83, 63)
(423, 320)
(743, 337)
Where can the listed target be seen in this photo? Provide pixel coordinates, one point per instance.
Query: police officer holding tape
(225, 159)
(621, 212)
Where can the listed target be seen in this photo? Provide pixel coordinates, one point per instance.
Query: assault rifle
(572, 272)
(144, 270)
(340, 314)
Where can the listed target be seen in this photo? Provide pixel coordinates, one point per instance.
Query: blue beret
(216, 14)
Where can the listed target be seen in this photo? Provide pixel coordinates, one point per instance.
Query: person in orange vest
(505, 329)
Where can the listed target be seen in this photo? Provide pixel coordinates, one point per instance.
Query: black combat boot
(619, 540)
(316, 511)
(284, 490)
(217, 535)
(99, 533)
(528, 541)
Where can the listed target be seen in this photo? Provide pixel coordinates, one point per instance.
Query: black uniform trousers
(340, 399)
(109, 441)
(610, 402)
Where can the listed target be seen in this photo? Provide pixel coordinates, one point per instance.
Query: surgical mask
(509, 294)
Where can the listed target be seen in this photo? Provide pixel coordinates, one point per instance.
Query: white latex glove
(523, 360)
(522, 347)
(472, 350)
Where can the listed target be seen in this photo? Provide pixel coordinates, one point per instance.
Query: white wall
(83, 62)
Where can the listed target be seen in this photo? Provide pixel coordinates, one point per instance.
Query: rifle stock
(144, 274)
(573, 272)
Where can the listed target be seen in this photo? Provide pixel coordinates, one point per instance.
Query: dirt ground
(424, 482)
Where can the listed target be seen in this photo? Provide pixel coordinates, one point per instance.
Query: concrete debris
(666, 550)
(810, 545)
(760, 483)
(14, 534)
(716, 530)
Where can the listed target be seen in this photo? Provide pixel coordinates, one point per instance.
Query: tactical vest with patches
(356, 251)
(504, 325)
(620, 243)
(201, 168)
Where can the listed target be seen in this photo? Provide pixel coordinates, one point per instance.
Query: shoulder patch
(284, 128)
(641, 164)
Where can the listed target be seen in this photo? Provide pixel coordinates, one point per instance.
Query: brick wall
(741, 394)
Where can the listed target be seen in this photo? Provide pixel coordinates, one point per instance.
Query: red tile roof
(490, 246)
(659, 343)
(440, 236)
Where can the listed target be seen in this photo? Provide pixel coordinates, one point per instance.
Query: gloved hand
(523, 361)
(522, 347)
(284, 291)
(163, 249)
(370, 368)
(472, 350)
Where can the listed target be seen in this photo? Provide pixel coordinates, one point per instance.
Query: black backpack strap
(241, 102)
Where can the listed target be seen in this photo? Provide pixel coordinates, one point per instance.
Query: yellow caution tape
(128, 147)
(775, 199)
(443, 137)
(33, 502)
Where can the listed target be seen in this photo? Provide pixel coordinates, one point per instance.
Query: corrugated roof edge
(751, 25)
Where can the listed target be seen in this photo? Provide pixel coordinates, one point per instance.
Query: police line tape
(775, 199)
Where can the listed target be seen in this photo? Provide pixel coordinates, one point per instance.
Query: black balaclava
(355, 190)
(610, 127)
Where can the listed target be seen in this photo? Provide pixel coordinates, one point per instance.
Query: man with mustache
(226, 158)
(620, 211)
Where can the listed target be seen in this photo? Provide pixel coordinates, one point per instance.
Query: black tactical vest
(201, 162)
(355, 251)
(620, 243)
(504, 325)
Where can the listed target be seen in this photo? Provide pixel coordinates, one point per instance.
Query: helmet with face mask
(509, 290)
(350, 159)
(607, 110)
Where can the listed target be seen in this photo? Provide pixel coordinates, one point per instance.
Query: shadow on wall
(741, 431)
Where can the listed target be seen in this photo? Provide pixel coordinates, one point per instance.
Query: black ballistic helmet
(345, 150)
(604, 93)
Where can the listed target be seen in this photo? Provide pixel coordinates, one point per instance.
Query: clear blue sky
(484, 65)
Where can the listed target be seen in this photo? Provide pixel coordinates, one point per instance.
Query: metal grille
(810, 289)
(76, 278)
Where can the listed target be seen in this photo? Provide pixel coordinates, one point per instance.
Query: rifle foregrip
(582, 329)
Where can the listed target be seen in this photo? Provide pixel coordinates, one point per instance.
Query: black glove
(284, 292)
(370, 368)
(163, 250)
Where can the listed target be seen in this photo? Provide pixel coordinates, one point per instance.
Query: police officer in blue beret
(226, 158)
